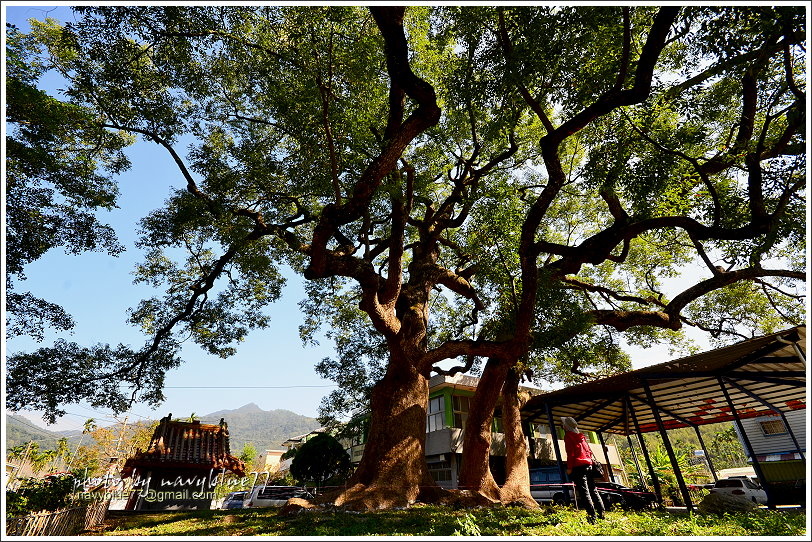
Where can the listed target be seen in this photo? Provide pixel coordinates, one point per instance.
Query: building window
(773, 427)
(441, 471)
(460, 410)
(434, 419)
(539, 430)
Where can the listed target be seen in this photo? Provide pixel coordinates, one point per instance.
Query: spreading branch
(399, 135)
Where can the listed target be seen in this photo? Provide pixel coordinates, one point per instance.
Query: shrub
(35, 494)
(320, 459)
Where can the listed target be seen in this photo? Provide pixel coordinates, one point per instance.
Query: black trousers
(586, 493)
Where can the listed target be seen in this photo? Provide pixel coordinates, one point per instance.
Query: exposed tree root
(519, 500)
(363, 498)
(295, 506)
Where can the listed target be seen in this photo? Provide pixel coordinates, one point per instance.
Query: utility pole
(114, 457)
(76, 451)
(120, 437)
(15, 473)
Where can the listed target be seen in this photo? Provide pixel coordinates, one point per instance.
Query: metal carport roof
(761, 376)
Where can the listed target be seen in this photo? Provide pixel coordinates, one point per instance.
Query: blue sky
(271, 368)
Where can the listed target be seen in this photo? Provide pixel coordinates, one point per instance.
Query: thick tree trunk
(475, 473)
(393, 468)
(516, 488)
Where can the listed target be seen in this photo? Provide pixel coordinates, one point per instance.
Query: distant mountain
(265, 429)
(245, 409)
(20, 430)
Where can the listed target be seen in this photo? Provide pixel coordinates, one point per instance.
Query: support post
(636, 460)
(527, 427)
(792, 436)
(667, 442)
(705, 450)
(557, 449)
(606, 456)
(748, 445)
(658, 491)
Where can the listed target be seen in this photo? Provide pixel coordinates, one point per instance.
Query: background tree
(321, 459)
(93, 458)
(665, 471)
(16, 453)
(249, 453)
(723, 448)
(88, 427)
(517, 185)
(726, 449)
(59, 167)
(39, 459)
(61, 455)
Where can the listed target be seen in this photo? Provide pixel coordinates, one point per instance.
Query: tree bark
(393, 469)
(516, 488)
(475, 473)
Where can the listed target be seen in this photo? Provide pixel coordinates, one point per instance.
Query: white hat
(569, 424)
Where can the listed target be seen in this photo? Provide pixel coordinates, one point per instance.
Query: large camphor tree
(647, 172)
(510, 184)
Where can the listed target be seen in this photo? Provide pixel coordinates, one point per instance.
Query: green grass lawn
(440, 521)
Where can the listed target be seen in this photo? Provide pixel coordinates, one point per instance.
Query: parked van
(546, 485)
(268, 496)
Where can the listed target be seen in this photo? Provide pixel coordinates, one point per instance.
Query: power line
(40, 429)
(111, 416)
(104, 417)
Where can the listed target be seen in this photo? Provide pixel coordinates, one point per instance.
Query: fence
(67, 522)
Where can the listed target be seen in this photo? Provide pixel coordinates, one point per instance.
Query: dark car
(627, 498)
(547, 486)
(234, 500)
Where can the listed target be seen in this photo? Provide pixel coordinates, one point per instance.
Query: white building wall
(775, 444)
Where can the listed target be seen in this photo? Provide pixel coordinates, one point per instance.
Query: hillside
(19, 431)
(265, 429)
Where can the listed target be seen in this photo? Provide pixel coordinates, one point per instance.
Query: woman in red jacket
(579, 465)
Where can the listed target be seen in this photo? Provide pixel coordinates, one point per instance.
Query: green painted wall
(447, 394)
(448, 409)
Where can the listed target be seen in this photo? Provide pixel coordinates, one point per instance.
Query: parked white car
(742, 487)
(268, 496)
